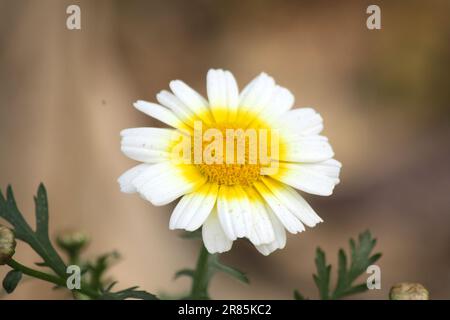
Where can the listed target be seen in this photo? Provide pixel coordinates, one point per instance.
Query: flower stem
(49, 278)
(201, 276)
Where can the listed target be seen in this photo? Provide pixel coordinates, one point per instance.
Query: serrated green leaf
(361, 259)
(38, 240)
(11, 280)
(361, 255)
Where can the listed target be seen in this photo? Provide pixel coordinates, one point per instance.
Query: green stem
(36, 274)
(50, 278)
(202, 275)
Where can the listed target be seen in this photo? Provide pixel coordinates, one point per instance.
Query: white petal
(279, 241)
(194, 208)
(261, 227)
(306, 149)
(294, 202)
(331, 168)
(149, 145)
(151, 172)
(255, 96)
(145, 155)
(223, 93)
(232, 95)
(303, 121)
(133, 179)
(148, 132)
(125, 180)
(216, 88)
(280, 102)
(224, 217)
(234, 211)
(287, 218)
(214, 237)
(170, 184)
(170, 101)
(160, 113)
(192, 99)
(317, 178)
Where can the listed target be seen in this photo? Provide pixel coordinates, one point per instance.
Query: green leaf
(322, 278)
(11, 280)
(298, 295)
(41, 205)
(235, 273)
(361, 259)
(374, 258)
(96, 270)
(110, 286)
(130, 293)
(342, 271)
(360, 253)
(184, 272)
(41, 264)
(138, 294)
(356, 289)
(9, 212)
(39, 240)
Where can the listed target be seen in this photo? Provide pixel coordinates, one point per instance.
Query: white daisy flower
(226, 187)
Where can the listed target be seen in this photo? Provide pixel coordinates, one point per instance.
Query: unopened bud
(72, 242)
(409, 291)
(7, 244)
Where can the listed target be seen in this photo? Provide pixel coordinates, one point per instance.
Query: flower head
(72, 242)
(408, 291)
(235, 159)
(7, 244)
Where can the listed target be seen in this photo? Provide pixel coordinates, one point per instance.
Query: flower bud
(7, 244)
(408, 291)
(72, 242)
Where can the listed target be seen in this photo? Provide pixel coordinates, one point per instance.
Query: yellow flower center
(231, 174)
(231, 152)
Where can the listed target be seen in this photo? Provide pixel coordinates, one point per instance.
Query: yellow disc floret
(231, 152)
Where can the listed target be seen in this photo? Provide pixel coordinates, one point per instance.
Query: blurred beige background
(65, 95)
